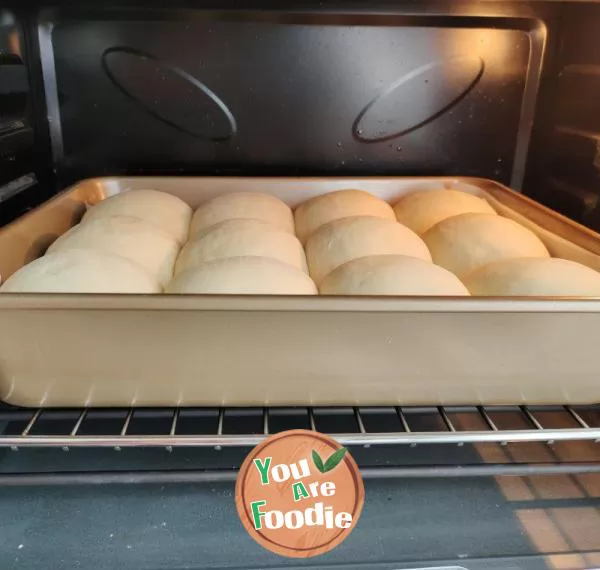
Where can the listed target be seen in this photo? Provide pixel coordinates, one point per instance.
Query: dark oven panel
(198, 92)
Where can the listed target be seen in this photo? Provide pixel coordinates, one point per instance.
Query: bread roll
(467, 242)
(81, 271)
(241, 237)
(391, 275)
(318, 211)
(167, 212)
(130, 237)
(420, 211)
(243, 205)
(342, 240)
(243, 276)
(538, 277)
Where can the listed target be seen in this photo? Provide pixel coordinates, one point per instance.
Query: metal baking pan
(136, 350)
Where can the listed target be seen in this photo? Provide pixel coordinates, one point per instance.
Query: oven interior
(502, 90)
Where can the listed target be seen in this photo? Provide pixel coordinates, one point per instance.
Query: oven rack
(244, 427)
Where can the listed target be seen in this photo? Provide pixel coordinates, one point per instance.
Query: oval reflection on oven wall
(417, 98)
(169, 94)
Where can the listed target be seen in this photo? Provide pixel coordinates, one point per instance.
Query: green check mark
(332, 461)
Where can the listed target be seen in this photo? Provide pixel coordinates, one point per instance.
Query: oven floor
(471, 522)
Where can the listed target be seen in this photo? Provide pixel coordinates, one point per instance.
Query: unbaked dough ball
(537, 277)
(420, 211)
(81, 271)
(243, 205)
(391, 275)
(243, 276)
(130, 237)
(241, 237)
(318, 211)
(342, 240)
(167, 212)
(467, 242)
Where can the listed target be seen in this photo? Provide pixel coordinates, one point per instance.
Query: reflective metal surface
(171, 428)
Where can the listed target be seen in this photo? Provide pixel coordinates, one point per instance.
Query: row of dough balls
(242, 243)
(245, 243)
(354, 247)
(127, 243)
(132, 243)
(492, 255)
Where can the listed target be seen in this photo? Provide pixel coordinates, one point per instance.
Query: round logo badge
(299, 493)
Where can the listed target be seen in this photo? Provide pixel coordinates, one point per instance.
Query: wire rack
(239, 427)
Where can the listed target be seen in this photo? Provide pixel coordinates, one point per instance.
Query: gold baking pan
(136, 350)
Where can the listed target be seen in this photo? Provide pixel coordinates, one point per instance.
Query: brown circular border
(354, 480)
(282, 549)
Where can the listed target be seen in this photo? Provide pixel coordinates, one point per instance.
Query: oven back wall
(199, 92)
